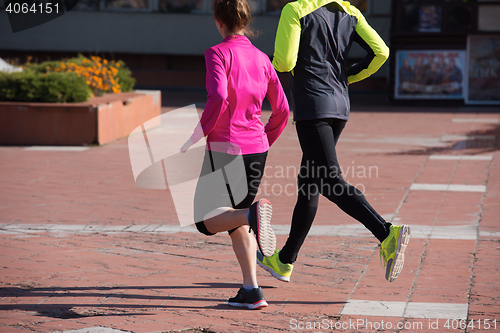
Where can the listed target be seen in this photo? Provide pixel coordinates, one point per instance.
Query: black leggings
(227, 181)
(320, 174)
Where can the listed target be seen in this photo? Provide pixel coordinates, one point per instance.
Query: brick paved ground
(83, 248)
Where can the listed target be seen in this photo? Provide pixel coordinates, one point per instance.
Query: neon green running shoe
(274, 266)
(392, 251)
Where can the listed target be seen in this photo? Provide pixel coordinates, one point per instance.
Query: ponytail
(235, 14)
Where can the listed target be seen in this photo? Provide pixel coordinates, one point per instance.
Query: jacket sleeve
(287, 41)
(377, 51)
(216, 82)
(279, 104)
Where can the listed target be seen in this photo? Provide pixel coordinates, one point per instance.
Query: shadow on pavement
(477, 142)
(115, 308)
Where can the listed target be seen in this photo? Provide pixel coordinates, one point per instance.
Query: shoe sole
(273, 273)
(394, 269)
(266, 239)
(252, 306)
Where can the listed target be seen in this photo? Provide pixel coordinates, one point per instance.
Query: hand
(186, 146)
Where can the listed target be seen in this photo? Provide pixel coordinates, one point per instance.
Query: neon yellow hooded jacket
(312, 42)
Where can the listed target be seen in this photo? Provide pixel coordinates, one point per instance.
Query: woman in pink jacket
(239, 77)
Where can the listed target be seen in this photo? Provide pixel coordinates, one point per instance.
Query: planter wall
(97, 121)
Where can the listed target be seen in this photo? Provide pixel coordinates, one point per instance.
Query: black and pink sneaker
(260, 223)
(253, 299)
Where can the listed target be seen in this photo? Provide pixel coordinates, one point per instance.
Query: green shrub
(41, 67)
(101, 75)
(65, 81)
(125, 78)
(32, 86)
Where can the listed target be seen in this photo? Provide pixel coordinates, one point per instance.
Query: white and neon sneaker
(274, 266)
(392, 251)
(260, 223)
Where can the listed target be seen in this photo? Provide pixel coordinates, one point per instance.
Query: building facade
(162, 41)
(440, 49)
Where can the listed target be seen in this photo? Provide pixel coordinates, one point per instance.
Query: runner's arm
(217, 95)
(279, 104)
(286, 47)
(377, 51)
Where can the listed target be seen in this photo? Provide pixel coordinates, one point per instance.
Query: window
(258, 7)
(436, 16)
(488, 17)
(362, 5)
(181, 6)
(429, 18)
(134, 5)
(87, 5)
(275, 6)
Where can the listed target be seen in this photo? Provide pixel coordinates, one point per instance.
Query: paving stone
(83, 248)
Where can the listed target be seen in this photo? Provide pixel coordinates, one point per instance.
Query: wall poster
(430, 74)
(429, 18)
(483, 83)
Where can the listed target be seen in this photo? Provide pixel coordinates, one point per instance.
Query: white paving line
(85, 228)
(476, 120)
(464, 231)
(406, 310)
(462, 157)
(466, 188)
(448, 187)
(412, 141)
(373, 308)
(57, 148)
(437, 310)
(94, 330)
(457, 137)
(489, 234)
(458, 232)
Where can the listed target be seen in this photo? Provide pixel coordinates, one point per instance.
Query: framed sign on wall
(430, 74)
(483, 68)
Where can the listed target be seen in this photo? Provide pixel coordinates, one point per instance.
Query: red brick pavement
(68, 263)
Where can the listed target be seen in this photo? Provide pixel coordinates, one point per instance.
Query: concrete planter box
(97, 121)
